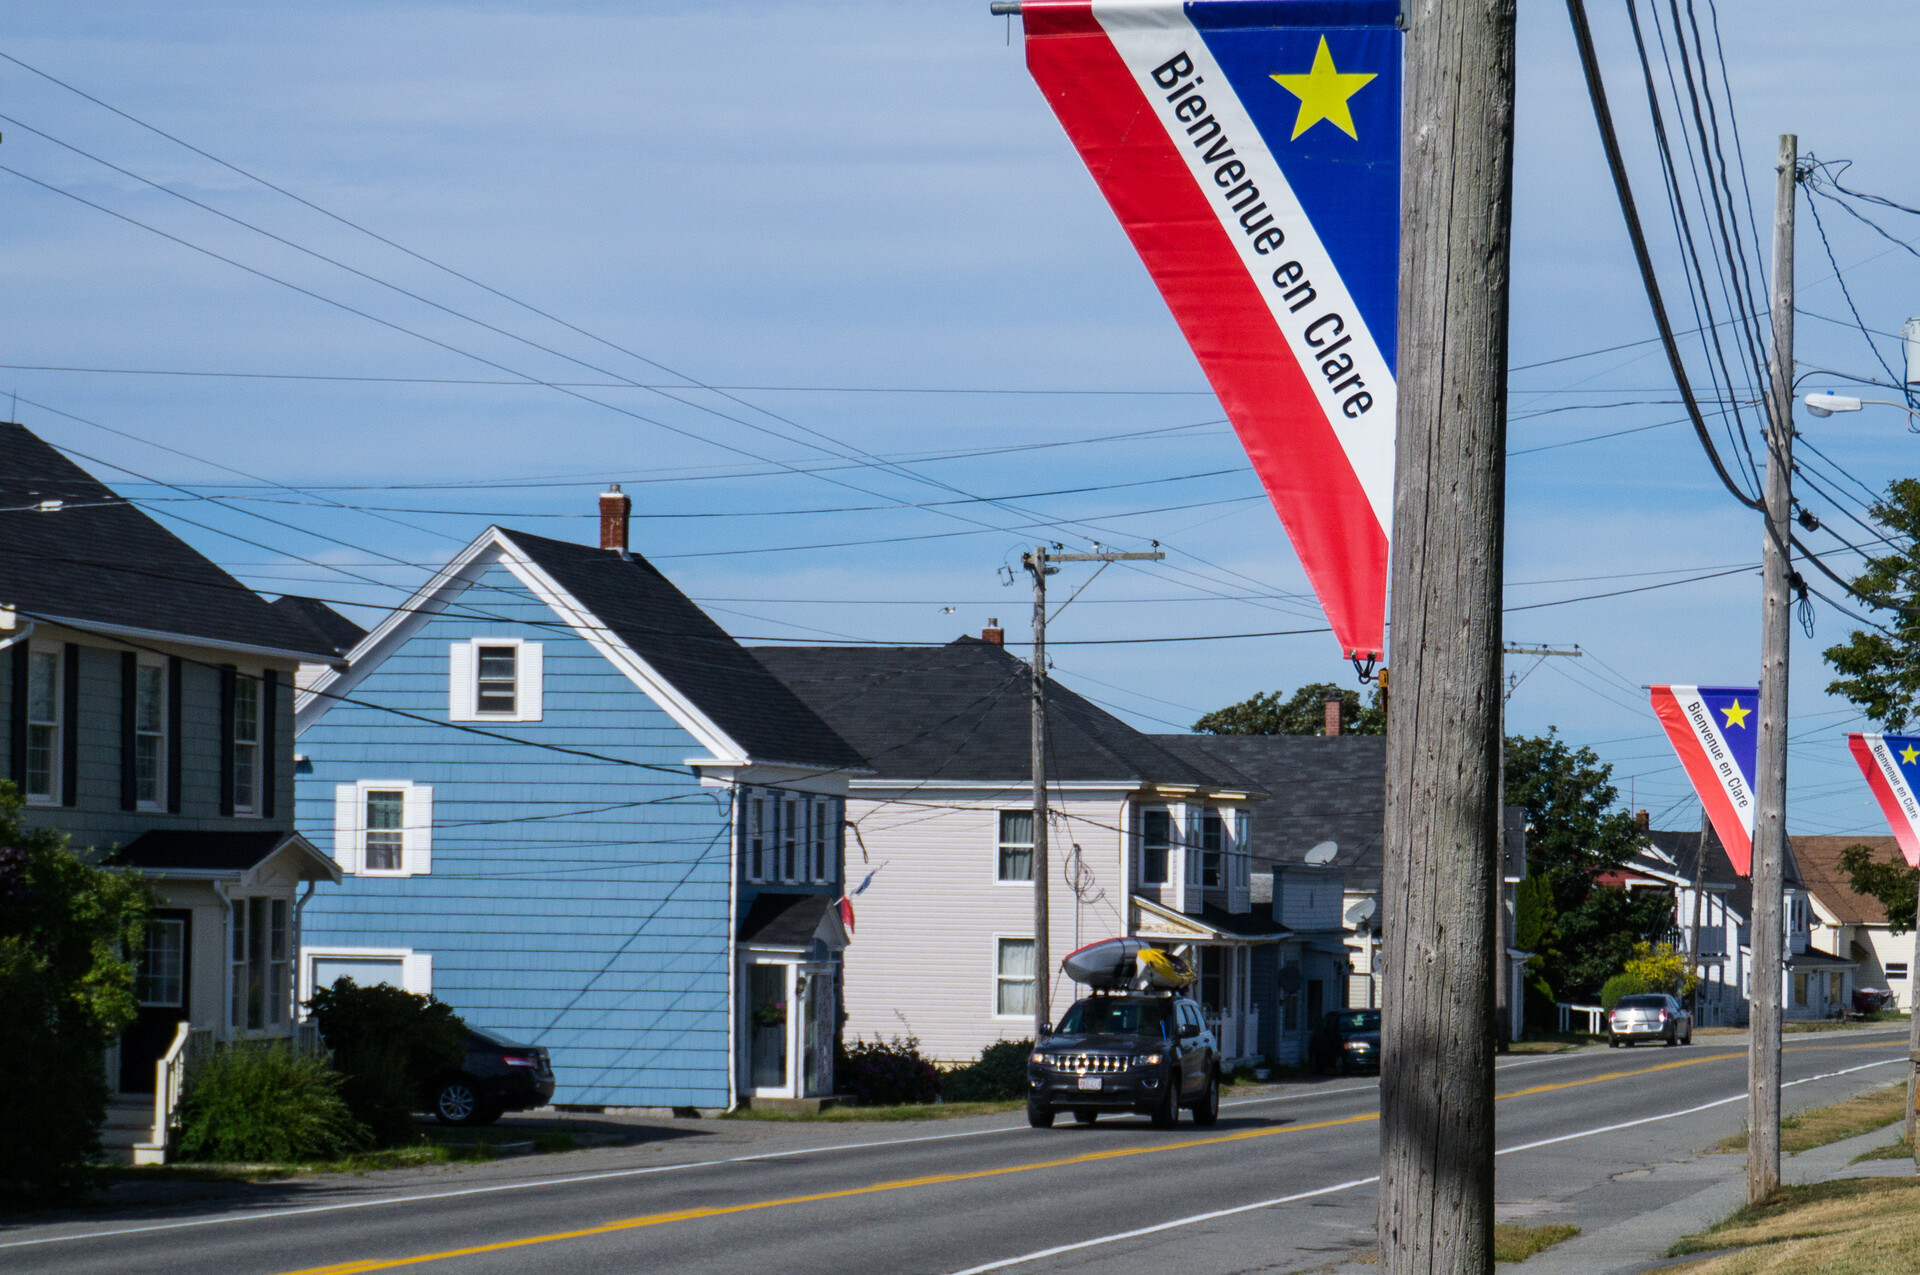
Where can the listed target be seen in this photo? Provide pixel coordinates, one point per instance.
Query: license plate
(1089, 1082)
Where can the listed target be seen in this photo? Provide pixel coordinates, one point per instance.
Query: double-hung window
(43, 725)
(261, 975)
(759, 838)
(383, 827)
(1156, 845)
(1013, 977)
(822, 809)
(149, 735)
(1016, 845)
(163, 964)
(246, 744)
(793, 831)
(386, 829)
(495, 679)
(496, 675)
(1213, 835)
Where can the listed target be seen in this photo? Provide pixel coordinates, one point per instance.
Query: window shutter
(269, 741)
(70, 727)
(129, 675)
(527, 693)
(418, 973)
(17, 719)
(346, 827)
(460, 682)
(173, 734)
(417, 836)
(227, 676)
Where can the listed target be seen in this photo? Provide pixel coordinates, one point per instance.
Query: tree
(1880, 670)
(1662, 966)
(1596, 940)
(66, 991)
(1893, 883)
(1302, 713)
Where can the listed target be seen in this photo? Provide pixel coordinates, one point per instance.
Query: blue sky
(866, 213)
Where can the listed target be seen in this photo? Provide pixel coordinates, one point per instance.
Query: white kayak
(1112, 964)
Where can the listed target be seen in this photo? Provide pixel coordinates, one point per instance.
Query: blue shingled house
(566, 802)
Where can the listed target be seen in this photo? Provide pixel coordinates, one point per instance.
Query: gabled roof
(791, 920)
(1820, 869)
(222, 853)
(1318, 788)
(961, 712)
(325, 623)
(1679, 850)
(101, 564)
(649, 630)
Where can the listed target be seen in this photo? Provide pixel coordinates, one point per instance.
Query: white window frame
(416, 969)
(350, 834)
(755, 827)
(999, 978)
(1001, 845)
(1220, 852)
(792, 841)
(145, 665)
(242, 678)
(277, 975)
(825, 833)
(529, 679)
(55, 726)
(1172, 842)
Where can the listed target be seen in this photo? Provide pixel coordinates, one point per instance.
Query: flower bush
(886, 1073)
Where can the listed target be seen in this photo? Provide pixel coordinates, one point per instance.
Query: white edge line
(1191, 1220)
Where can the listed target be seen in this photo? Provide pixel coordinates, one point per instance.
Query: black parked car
(497, 1076)
(1139, 1053)
(1346, 1040)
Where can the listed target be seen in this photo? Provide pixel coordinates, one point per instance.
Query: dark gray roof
(962, 712)
(100, 560)
(1318, 789)
(784, 920)
(1257, 924)
(699, 658)
(182, 851)
(336, 630)
(1682, 847)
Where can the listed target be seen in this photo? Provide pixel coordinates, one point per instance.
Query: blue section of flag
(1899, 746)
(1736, 713)
(1349, 186)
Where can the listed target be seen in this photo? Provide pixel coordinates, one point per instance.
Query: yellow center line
(941, 1179)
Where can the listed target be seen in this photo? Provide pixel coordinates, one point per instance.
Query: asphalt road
(1283, 1182)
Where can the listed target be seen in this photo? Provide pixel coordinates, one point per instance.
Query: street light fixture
(1828, 404)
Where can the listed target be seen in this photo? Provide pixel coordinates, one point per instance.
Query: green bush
(886, 1073)
(1624, 985)
(388, 1046)
(1000, 1074)
(66, 990)
(1543, 1013)
(266, 1101)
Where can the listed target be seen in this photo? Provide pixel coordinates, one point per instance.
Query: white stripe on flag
(1897, 781)
(1719, 755)
(1148, 35)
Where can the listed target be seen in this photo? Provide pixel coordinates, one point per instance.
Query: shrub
(1624, 985)
(66, 990)
(1000, 1074)
(265, 1100)
(1543, 1014)
(1662, 967)
(886, 1073)
(389, 1046)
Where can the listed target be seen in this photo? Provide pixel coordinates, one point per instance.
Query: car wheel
(1613, 1041)
(1085, 1117)
(1039, 1114)
(458, 1101)
(1673, 1037)
(1167, 1114)
(1207, 1110)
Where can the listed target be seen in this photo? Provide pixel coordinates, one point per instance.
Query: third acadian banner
(1251, 149)
(1891, 764)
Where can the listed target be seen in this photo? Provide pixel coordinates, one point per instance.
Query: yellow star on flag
(1736, 715)
(1909, 755)
(1323, 93)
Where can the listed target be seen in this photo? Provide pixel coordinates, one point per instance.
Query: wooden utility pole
(1699, 902)
(1039, 564)
(1770, 785)
(1443, 738)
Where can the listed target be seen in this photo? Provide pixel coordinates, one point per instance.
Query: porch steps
(128, 1127)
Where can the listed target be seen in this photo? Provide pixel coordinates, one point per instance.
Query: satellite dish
(1362, 912)
(1323, 853)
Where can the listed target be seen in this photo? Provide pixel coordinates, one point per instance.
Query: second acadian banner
(1251, 149)
(1715, 729)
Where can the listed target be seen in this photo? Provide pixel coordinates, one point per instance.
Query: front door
(817, 1031)
(767, 1033)
(161, 988)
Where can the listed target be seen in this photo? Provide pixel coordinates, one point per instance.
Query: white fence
(1596, 1017)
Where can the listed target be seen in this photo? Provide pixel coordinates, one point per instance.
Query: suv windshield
(1362, 1020)
(1642, 1002)
(1101, 1015)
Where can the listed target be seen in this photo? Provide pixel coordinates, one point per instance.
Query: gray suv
(1136, 1053)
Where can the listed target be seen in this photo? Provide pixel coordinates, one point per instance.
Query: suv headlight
(1148, 1060)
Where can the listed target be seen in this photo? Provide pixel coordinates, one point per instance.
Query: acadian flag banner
(1715, 730)
(1891, 764)
(1251, 149)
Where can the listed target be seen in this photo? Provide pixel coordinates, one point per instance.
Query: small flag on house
(846, 913)
(1714, 730)
(1891, 764)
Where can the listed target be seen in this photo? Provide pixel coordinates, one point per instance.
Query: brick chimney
(993, 634)
(1333, 715)
(615, 505)
(1643, 821)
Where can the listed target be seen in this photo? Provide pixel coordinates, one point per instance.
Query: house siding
(575, 903)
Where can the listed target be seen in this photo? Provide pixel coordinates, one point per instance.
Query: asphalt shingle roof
(336, 630)
(99, 559)
(1820, 869)
(961, 711)
(186, 851)
(1318, 788)
(784, 920)
(1683, 846)
(699, 658)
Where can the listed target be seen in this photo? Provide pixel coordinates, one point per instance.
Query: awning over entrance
(225, 855)
(1209, 925)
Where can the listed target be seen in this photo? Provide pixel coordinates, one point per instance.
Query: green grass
(906, 1111)
(436, 1146)
(1518, 1243)
(1835, 1123)
(1901, 1150)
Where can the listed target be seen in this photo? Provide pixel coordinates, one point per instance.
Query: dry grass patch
(1518, 1243)
(1855, 1226)
(1842, 1120)
(1901, 1150)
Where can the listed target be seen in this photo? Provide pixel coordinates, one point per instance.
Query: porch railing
(169, 1082)
(1596, 1017)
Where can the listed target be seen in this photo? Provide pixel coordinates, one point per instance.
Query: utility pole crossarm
(1155, 556)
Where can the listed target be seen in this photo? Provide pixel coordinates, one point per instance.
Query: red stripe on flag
(1903, 831)
(1220, 309)
(1706, 783)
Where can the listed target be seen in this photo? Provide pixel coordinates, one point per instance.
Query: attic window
(494, 679)
(495, 669)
